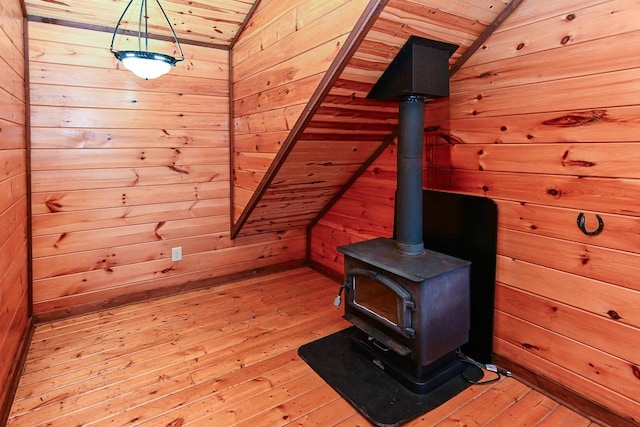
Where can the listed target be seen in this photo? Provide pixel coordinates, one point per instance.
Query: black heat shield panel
(466, 227)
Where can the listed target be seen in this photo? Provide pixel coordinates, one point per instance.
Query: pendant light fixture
(142, 62)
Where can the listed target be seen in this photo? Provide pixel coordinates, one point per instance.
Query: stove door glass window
(381, 298)
(376, 298)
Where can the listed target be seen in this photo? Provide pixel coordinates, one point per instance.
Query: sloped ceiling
(215, 22)
(343, 131)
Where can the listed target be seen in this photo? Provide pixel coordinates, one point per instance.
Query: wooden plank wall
(14, 313)
(543, 119)
(364, 212)
(124, 170)
(278, 62)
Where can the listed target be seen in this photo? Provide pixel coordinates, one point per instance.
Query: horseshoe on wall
(598, 230)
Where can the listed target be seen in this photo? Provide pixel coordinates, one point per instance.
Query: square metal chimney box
(420, 68)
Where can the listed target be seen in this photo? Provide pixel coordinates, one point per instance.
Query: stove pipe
(409, 238)
(420, 71)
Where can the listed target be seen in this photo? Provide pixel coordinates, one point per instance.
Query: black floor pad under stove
(376, 395)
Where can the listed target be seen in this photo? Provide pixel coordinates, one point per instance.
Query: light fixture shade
(143, 63)
(146, 65)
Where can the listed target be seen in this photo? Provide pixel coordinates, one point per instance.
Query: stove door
(381, 298)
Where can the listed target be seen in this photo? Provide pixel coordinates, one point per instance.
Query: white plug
(337, 300)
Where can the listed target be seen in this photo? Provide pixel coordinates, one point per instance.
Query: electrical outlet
(176, 254)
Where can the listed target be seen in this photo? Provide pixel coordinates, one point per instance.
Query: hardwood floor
(224, 356)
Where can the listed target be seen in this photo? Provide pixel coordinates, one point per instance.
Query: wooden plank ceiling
(342, 130)
(209, 22)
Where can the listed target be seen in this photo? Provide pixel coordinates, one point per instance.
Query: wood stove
(410, 306)
(412, 312)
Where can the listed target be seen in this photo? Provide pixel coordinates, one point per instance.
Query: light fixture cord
(143, 8)
(172, 30)
(115, 32)
(146, 15)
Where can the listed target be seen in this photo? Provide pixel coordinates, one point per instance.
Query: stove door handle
(338, 299)
(379, 345)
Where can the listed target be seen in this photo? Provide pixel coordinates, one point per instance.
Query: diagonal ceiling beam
(506, 12)
(362, 27)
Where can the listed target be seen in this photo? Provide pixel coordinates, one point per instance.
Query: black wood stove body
(412, 312)
(410, 306)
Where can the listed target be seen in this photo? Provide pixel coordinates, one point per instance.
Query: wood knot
(614, 315)
(53, 205)
(158, 235)
(554, 192)
(584, 259)
(178, 169)
(60, 239)
(576, 119)
(565, 40)
(486, 74)
(178, 422)
(520, 46)
(636, 371)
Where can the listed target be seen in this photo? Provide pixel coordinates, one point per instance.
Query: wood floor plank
(94, 354)
(189, 348)
(51, 341)
(114, 341)
(175, 405)
(332, 414)
(496, 400)
(103, 386)
(226, 355)
(293, 407)
(261, 402)
(262, 346)
(211, 398)
(356, 420)
(564, 416)
(442, 412)
(528, 411)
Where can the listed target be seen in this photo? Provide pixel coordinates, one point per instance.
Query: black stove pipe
(409, 239)
(419, 71)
